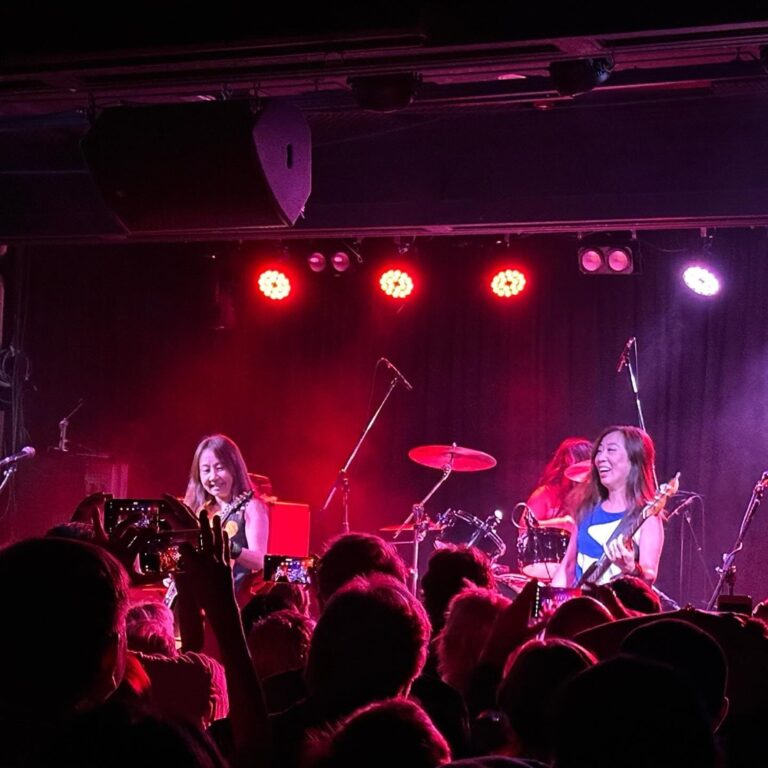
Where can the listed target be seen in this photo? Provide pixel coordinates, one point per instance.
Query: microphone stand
(342, 480)
(728, 570)
(7, 475)
(63, 424)
(636, 390)
(685, 523)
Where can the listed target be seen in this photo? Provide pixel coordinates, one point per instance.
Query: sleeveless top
(233, 522)
(595, 528)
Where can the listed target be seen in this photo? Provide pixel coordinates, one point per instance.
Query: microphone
(683, 505)
(625, 354)
(27, 452)
(397, 373)
(493, 520)
(531, 520)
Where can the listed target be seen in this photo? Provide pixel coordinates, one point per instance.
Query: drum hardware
(526, 520)
(540, 550)
(579, 471)
(515, 581)
(489, 526)
(462, 529)
(448, 458)
(460, 459)
(397, 529)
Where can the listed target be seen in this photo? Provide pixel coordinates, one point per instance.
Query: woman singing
(219, 482)
(621, 482)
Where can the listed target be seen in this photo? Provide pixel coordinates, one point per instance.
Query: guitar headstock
(656, 505)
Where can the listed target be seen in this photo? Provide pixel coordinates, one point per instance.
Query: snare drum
(540, 550)
(462, 529)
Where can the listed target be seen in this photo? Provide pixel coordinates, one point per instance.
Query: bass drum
(462, 529)
(540, 550)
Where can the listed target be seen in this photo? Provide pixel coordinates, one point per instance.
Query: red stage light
(274, 284)
(508, 282)
(396, 283)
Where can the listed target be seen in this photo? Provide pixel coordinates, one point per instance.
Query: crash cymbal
(458, 458)
(579, 471)
(394, 528)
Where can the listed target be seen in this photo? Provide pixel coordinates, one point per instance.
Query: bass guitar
(628, 526)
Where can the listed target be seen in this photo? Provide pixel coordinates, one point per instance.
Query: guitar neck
(603, 563)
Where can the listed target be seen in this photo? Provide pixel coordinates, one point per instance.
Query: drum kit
(539, 549)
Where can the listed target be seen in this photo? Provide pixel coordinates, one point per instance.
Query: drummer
(554, 501)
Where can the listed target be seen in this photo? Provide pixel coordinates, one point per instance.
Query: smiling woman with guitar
(619, 530)
(219, 482)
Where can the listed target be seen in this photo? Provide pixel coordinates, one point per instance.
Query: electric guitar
(628, 526)
(237, 504)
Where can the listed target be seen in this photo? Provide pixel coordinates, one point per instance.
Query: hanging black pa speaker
(208, 166)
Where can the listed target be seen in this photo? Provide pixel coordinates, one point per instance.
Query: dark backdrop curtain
(129, 329)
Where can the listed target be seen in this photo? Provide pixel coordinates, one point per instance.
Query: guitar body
(628, 526)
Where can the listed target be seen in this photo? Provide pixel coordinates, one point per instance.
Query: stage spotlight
(340, 261)
(606, 260)
(618, 259)
(274, 284)
(590, 260)
(574, 76)
(701, 280)
(316, 261)
(396, 283)
(508, 283)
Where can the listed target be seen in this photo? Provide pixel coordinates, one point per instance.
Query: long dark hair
(570, 451)
(641, 453)
(227, 452)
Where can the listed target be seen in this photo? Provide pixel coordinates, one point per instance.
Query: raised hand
(208, 569)
(126, 541)
(86, 508)
(513, 627)
(181, 516)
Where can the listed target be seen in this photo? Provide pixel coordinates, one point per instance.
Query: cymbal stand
(343, 479)
(421, 525)
(728, 569)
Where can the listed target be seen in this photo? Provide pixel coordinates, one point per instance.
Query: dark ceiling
(672, 138)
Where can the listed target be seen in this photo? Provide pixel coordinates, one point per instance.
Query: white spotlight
(701, 280)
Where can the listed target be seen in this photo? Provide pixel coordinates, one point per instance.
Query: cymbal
(458, 458)
(579, 471)
(394, 528)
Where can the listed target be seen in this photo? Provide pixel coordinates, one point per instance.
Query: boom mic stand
(343, 479)
(728, 569)
(625, 361)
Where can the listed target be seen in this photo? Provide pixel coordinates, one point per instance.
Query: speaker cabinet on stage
(203, 166)
(47, 489)
(288, 529)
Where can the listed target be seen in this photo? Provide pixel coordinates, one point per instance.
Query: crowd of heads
(350, 666)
